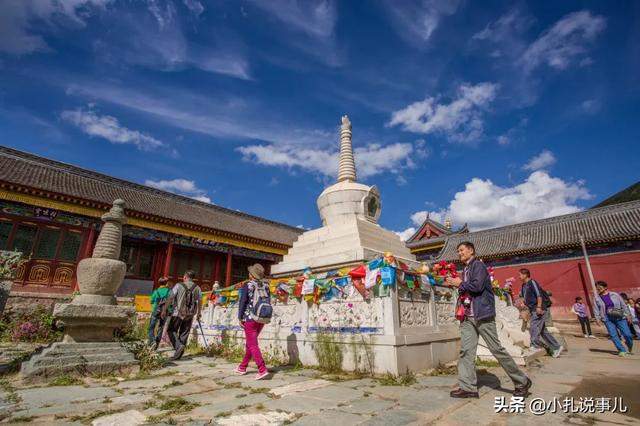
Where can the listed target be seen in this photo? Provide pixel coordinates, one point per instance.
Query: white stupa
(350, 233)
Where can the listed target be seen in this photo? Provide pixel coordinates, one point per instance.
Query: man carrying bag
(186, 299)
(479, 320)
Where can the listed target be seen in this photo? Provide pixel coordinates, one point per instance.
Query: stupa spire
(347, 165)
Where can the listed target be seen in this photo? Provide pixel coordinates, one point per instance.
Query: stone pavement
(204, 390)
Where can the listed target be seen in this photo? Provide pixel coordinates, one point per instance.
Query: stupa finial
(347, 165)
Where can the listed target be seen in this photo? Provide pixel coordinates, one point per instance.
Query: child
(581, 311)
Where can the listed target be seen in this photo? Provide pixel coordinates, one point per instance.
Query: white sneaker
(586, 336)
(592, 336)
(557, 352)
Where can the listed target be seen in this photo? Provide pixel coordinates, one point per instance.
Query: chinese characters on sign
(44, 213)
(570, 405)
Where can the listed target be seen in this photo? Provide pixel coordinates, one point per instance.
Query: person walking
(186, 299)
(247, 318)
(614, 312)
(538, 302)
(159, 298)
(580, 310)
(633, 318)
(479, 320)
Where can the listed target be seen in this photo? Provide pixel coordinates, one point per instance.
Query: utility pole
(586, 259)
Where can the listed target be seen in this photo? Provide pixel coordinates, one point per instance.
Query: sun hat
(256, 270)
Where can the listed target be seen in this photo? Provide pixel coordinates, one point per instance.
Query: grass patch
(259, 390)
(486, 364)
(389, 379)
(177, 405)
(328, 353)
(224, 414)
(66, 380)
(89, 417)
(10, 391)
(260, 407)
(442, 370)
(243, 406)
(149, 359)
(23, 419)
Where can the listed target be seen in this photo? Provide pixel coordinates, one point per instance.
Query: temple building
(552, 250)
(50, 211)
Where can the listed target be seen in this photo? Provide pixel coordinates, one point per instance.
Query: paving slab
(257, 419)
(60, 395)
(212, 410)
(394, 418)
(126, 418)
(368, 406)
(335, 393)
(303, 386)
(299, 404)
(330, 418)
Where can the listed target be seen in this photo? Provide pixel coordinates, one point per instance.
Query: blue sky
(489, 113)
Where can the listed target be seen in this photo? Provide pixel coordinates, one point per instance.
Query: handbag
(616, 314)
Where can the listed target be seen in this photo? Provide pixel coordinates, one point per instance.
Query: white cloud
(459, 120)
(194, 6)
(590, 106)
(417, 21)
(506, 29)
(540, 161)
(180, 186)
(215, 114)
(157, 40)
(417, 219)
(316, 18)
(565, 42)
(504, 140)
(18, 18)
(370, 160)
(109, 128)
(406, 234)
(482, 204)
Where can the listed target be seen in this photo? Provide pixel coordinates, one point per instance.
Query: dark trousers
(586, 325)
(156, 326)
(179, 329)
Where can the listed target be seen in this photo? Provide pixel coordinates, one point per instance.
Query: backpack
(160, 305)
(546, 300)
(189, 306)
(261, 311)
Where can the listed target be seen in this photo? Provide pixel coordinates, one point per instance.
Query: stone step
(84, 350)
(61, 359)
(79, 367)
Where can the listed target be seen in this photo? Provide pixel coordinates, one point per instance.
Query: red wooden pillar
(227, 279)
(90, 244)
(167, 260)
(217, 268)
(87, 251)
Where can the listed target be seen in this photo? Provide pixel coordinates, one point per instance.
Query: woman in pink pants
(251, 328)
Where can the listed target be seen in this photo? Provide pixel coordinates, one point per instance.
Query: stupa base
(80, 358)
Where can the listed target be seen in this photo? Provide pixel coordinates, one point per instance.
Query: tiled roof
(21, 168)
(600, 225)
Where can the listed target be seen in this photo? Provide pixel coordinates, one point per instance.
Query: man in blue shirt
(534, 300)
(480, 320)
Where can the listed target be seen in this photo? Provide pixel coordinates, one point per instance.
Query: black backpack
(189, 306)
(546, 300)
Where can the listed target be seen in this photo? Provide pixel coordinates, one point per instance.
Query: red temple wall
(568, 278)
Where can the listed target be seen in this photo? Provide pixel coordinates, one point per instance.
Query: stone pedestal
(91, 318)
(80, 358)
(91, 323)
